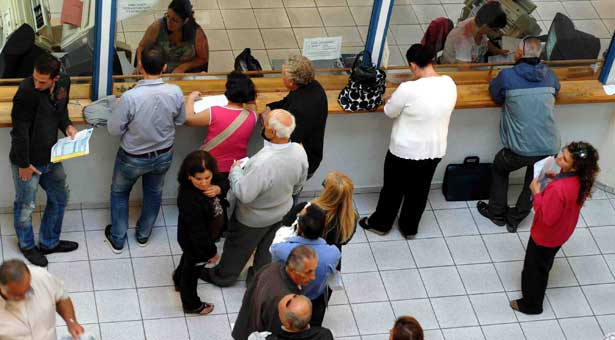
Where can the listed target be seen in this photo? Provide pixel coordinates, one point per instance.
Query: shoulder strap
(226, 133)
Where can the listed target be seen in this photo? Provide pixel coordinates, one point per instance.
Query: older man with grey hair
(259, 308)
(264, 189)
(29, 300)
(528, 130)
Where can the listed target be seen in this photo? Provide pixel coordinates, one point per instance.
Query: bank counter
(355, 143)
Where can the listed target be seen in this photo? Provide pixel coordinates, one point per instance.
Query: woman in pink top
(241, 94)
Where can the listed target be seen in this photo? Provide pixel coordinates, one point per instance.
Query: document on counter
(206, 102)
(543, 166)
(609, 89)
(67, 148)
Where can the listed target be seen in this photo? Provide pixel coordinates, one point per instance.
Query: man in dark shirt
(259, 308)
(40, 109)
(307, 101)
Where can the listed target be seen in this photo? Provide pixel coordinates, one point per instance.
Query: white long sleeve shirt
(422, 110)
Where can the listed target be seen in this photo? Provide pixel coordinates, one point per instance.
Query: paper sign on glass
(131, 8)
(67, 148)
(325, 48)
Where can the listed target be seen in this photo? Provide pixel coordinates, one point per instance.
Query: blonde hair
(299, 69)
(336, 200)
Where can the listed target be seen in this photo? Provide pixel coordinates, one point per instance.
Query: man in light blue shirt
(145, 118)
(310, 226)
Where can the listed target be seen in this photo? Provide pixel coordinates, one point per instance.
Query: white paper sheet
(67, 148)
(609, 89)
(542, 166)
(206, 102)
(325, 48)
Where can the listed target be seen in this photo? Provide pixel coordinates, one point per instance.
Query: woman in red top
(556, 212)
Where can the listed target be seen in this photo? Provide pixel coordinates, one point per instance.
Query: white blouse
(422, 110)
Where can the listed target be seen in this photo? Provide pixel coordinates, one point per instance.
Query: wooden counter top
(271, 89)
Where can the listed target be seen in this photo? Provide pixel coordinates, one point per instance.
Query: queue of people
(296, 248)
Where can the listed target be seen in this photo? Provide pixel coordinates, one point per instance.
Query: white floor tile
(131, 330)
(393, 235)
(160, 302)
(96, 219)
(601, 298)
(503, 332)
(480, 278)
(158, 244)
(591, 269)
(358, 258)
(340, 320)
(442, 281)
(364, 287)
(428, 227)
(153, 271)
(456, 222)
(492, 308)
(581, 243)
(542, 330)
(455, 311)
(366, 203)
(434, 334)
(430, 252)
(581, 328)
(233, 296)
(112, 274)
(561, 275)
(437, 201)
(76, 275)
(568, 302)
(118, 305)
(392, 255)
(89, 329)
(510, 274)
(403, 284)
(607, 323)
(209, 327)
(170, 213)
(163, 329)
(373, 318)
(598, 213)
(420, 309)
(504, 247)
(98, 249)
(73, 221)
(605, 237)
(468, 249)
(465, 333)
(85, 308)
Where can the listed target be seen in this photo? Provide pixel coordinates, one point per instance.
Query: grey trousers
(241, 241)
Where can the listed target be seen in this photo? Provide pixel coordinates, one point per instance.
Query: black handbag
(470, 181)
(245, 61)
(365, 88)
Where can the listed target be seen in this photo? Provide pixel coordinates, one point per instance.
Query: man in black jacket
(40, 109)
(307, 101)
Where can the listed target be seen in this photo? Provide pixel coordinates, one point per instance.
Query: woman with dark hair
(406, 328)
(241, 95)
(421, 109)
(177, 34)
(201, 217)
(556, 212)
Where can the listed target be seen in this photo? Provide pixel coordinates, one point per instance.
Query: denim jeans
(53, 181)
(126, 171)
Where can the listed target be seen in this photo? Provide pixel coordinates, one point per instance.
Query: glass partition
(62, 27)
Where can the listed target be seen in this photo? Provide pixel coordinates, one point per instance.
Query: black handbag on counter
(245, 61)
(365, 88)
(470, 181)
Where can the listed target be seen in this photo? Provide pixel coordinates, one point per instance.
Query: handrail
(326, 70)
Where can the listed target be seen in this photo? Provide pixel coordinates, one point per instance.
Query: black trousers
(408, 180)
(319, 307)
(505, 162)
(186, 277)
(535, 275)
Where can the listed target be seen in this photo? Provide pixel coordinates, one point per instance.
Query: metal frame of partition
(607, 75)
(102, 81)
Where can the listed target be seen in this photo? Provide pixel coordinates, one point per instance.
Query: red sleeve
(549, 205)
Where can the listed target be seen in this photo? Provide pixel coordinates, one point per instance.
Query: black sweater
(194, 234)
(310, 107)
(37, 116)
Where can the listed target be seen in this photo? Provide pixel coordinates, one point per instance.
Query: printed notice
(67, 148)
(206, 102)
(131, 8)
(322, 48)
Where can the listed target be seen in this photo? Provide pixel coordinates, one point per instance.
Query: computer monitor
(565, 42)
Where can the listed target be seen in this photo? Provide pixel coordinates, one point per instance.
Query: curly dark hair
(585, 163)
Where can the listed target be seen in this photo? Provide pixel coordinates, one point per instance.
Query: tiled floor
(276, 28)
(456, 278)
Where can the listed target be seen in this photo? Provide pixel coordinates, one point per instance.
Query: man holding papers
(40, 109)
(145, 118)
(528, 130)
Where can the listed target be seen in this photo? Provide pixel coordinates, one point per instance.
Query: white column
(607, 154)
(103, 52)
(378, 28)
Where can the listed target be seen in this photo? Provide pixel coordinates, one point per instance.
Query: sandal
(204, 309)
(363, 222)
(514, 305)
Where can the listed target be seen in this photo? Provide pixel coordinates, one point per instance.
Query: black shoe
(143, 242)
(363, 223)
(35, 256)
(109, 241)
(483, 209)
(511, 227)
(62, 247)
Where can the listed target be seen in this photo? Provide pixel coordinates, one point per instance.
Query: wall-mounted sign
(131, 8)
(325, 48)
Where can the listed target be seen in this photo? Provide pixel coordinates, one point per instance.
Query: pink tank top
(236, 145)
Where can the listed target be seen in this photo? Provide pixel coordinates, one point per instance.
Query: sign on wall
(322, 48)
(131, 8)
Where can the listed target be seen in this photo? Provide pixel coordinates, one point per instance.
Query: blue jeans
(125, 173)
(53, 181)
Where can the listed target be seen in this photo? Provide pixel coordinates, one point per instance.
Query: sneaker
(62, 247)
(108, 240)
(483, 209)
(35, 256)
(363, 223)
(143, 243)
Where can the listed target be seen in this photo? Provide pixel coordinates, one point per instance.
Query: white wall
(355, 144)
